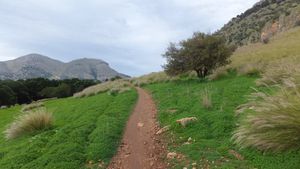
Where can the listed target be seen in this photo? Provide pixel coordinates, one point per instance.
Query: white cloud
(129, 34)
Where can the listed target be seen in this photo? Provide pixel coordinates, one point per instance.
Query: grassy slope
(283, 46)
(85, 129)
(214, 129)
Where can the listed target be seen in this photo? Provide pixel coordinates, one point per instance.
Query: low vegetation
(32, 106)
(85, 134)
(155, 77)
(219, 73)
(206, 99)
(285, 71)
(112, 87)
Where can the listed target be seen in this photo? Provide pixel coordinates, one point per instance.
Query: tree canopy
(201, 53)
(25, 91)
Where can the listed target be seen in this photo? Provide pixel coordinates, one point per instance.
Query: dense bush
(20, 90)
(26, 91)
(7, 96)
(202, 53)
(61, 91)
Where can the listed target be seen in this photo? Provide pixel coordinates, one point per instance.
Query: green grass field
(213, 131)
(86, 133)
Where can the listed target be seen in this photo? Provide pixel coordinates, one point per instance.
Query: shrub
(202, 53)
(270, 123)
(265, 38)
(206, 99)
(297, 23)
(29, 123)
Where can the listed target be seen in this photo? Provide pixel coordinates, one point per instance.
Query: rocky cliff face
(35, 65)
(263, 20)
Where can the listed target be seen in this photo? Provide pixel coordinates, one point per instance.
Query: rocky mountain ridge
(36, 65)
(265, 19)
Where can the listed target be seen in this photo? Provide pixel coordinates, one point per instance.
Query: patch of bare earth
(141, 147)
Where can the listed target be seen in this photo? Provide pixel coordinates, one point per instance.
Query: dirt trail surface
(141, 148)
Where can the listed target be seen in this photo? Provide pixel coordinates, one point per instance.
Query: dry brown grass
(118, 86)
(29, 123)
(155, 77)
(32, 106)
(281, 72)
(206, 99)
(255, 58)
(219, 73)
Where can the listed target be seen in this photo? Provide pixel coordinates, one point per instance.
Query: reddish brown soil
(141, 148)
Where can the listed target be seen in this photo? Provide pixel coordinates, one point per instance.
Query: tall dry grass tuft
(28, 123)
(120, 86)
(206, 99)
(270, 122)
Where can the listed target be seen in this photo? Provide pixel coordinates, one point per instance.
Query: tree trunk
(199, 73)
(205, 72)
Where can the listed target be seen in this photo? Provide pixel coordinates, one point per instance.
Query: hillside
(35, 65)
(265, 19)
(282, 52)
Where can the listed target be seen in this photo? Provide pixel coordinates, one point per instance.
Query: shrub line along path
(141, 148)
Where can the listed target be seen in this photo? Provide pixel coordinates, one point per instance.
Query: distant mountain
(265, 19)
(36, 65)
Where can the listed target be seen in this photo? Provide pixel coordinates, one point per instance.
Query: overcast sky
(131, 35)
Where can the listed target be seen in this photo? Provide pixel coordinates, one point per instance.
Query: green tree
(202, 53)
(20, 90)
(61, 91)
(7, 96)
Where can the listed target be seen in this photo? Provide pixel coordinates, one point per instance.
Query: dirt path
(140, 148)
